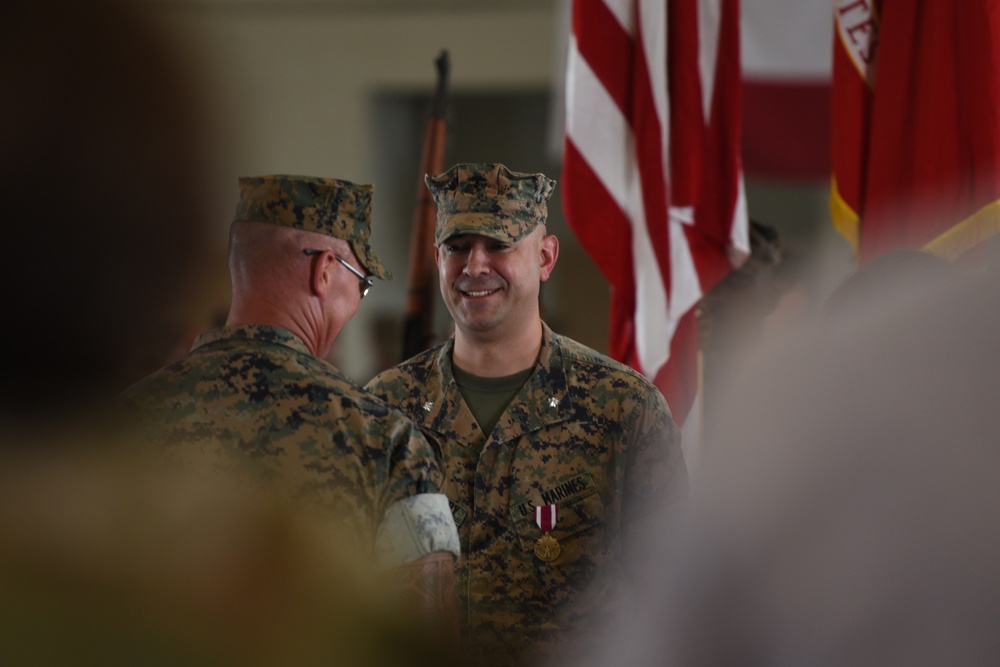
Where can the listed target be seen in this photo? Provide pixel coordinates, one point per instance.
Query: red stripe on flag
(608, 243)
(711, 260)
(687, 125)
(606, 47)
(678, 377)
(621, 328)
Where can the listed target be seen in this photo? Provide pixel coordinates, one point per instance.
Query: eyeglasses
(366, 282)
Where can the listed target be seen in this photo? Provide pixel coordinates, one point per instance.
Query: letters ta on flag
(652, 183)
(916, 126)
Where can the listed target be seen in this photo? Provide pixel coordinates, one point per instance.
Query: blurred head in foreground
(847, 512)
(101, 188)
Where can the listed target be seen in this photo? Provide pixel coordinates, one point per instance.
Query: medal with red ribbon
(546, 547)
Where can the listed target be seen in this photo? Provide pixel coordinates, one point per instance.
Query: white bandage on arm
(414, 527)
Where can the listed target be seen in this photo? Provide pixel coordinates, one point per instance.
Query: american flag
(652, 182)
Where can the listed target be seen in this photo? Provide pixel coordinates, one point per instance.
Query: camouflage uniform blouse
(584, 432)
(254, 398)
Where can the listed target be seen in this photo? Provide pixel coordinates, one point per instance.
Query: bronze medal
(547, 548)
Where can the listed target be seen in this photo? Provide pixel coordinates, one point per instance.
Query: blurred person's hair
(101, 189)
(903, 273)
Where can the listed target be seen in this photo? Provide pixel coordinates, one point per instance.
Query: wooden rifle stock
(418, 327)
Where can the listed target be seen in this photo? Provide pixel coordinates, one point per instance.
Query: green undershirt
(487, 398)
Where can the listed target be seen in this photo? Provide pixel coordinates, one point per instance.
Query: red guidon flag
(651, 176)
(916, 126)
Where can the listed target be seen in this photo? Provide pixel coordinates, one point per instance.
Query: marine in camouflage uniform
(254, 398)
(584, 433)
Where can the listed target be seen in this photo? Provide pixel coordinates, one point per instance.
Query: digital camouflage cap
(490, 200)
(340, 209)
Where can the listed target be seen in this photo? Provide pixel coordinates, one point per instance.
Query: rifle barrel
(418, 330)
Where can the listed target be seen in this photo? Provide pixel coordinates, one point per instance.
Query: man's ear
(321, 276)
(548, 253)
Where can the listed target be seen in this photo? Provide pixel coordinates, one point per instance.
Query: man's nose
(478, 262)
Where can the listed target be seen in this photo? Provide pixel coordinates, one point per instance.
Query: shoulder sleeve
(413, 464)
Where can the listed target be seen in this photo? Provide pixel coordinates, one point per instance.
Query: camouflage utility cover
(340, 209)
(490, 200)
(584, 432)
(254, 399)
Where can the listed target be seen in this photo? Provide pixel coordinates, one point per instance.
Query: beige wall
(292, 87)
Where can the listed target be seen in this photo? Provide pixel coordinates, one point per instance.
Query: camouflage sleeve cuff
(414, 527)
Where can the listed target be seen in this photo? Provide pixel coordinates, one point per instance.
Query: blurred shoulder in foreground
(846, 514)
(102, 188)
(106, 559)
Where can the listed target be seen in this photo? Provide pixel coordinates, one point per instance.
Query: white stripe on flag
(598, 129)
(653, 19)
(739, 232)
(709, 24)
(653, 327)
(685, 286)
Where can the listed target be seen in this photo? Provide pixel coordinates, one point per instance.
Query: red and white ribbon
(546, 517)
